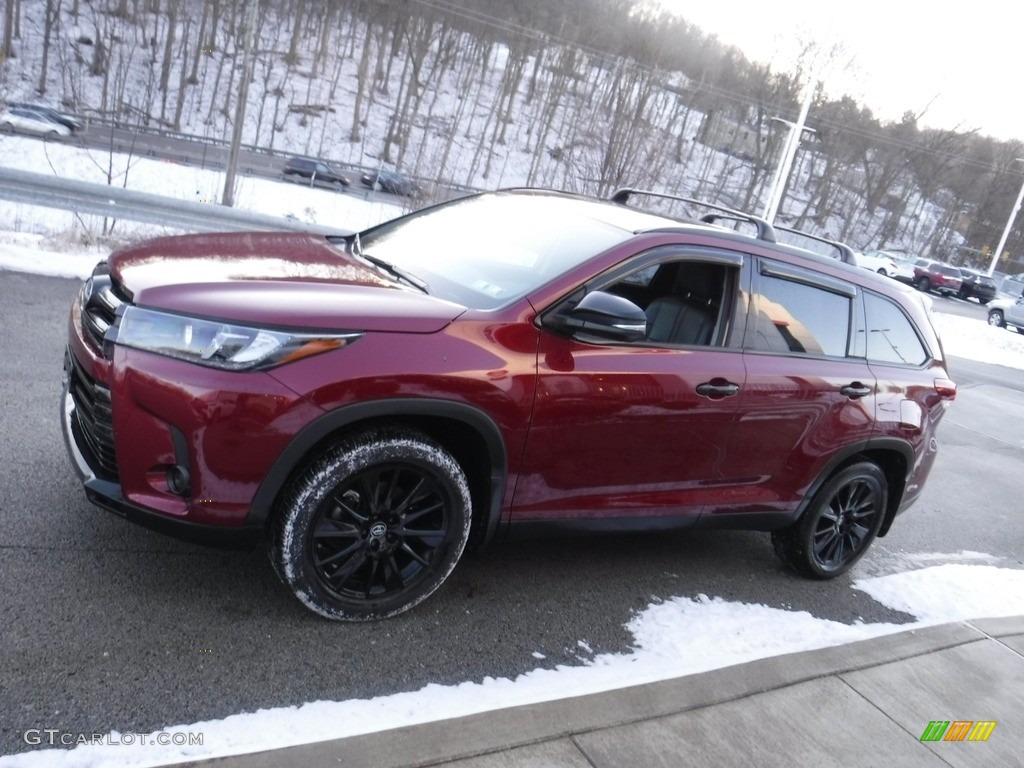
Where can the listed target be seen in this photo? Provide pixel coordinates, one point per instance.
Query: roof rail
(845, 252)
(765, 231)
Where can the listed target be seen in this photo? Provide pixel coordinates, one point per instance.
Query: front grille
(101, 298)
(92, 422)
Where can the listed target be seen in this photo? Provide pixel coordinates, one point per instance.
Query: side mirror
(609, 317)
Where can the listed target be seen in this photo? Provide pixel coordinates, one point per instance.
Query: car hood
(290, 280)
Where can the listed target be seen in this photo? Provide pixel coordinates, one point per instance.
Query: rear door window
(800, 313)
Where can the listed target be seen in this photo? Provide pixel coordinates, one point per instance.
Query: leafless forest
(585, 95)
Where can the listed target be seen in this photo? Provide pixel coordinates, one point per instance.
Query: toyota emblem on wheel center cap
(377, 530)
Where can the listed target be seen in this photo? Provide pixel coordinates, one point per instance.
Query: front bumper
(108, 494)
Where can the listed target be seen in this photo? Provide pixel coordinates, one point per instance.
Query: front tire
(838, 526)
(924, 284)
(373, 526)
(995, 318)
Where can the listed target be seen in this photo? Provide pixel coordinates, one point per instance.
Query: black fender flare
(333, 421)
(864, 448)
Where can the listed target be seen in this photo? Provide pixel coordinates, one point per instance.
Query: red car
(374, 404)
(941, 278)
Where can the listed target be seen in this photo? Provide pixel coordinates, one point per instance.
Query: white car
(30, 121)
(1007, 313)
(885, 263)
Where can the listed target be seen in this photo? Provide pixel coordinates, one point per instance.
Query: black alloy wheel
(374, 526)
(839, 524)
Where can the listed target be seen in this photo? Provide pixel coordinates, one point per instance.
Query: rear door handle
(855, 391)
(716, 389)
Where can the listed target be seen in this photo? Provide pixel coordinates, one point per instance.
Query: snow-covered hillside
(426, 96)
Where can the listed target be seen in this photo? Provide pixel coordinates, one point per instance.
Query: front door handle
(716, 389)
(855, 391)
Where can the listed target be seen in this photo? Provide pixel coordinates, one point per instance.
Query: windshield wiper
(390, 268)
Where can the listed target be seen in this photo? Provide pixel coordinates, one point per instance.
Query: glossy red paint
(585, 428)
(618, 434)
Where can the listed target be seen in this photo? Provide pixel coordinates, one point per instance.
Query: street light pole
(1009, 225)
(795, 133)
(796, 130)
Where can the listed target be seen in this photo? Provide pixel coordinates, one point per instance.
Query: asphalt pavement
(948, 695)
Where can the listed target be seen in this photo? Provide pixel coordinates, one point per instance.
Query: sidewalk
(863, 704)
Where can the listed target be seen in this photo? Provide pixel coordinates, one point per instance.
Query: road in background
(196, 151)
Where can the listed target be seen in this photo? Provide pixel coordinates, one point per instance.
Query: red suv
(371, 405)
(941, 278)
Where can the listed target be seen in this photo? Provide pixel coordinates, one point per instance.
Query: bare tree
(50, 16)
(7, 52)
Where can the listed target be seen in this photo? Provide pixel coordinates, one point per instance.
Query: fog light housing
(178, 480)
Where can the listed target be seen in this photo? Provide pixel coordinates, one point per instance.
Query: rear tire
(924, 284)
(373, 525)
(838, 526)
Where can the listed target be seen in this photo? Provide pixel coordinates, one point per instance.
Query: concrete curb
(500, 730)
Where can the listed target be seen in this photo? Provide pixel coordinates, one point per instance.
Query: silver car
(1007, 313)
(30, 121)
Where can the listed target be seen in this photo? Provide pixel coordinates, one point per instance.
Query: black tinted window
(796, 317)
(891, 335)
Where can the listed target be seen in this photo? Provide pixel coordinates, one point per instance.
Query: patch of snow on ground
(680, 636)
(23, 252)
(951, 592)
(977, 340)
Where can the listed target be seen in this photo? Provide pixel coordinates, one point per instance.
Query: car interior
(681, 299)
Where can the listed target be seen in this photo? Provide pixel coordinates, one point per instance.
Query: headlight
(217, 344)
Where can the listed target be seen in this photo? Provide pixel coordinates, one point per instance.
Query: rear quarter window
(891, 337)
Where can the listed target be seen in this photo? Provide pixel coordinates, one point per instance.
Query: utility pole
(792, 142)
(228, 198)
(1009, 225)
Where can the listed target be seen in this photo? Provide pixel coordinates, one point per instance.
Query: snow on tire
(373, 526)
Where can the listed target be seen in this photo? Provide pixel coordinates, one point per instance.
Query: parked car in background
(877, 261)
(72, 122)
(1007, 313)
(944, 279)
(316, 171)
(370, 405)
(887, 263)
(25, 120)
(392, 182)
(977, 285)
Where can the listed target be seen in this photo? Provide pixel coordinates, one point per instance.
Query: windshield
(488, 250)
